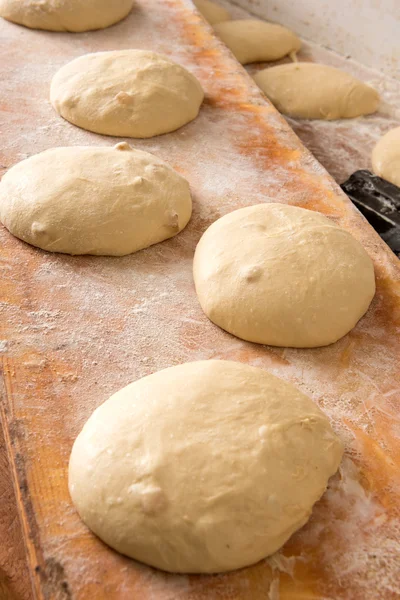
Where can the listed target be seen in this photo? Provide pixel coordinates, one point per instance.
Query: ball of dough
(282, 275)
(94, 200)
(386, 157)
(133, 93)
(203, 467)
(212, 12)
(256, 41)
(312, 91)
(65, 15)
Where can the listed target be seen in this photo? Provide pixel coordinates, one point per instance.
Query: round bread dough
(133, 93)
(212, 12)
(65, 15)
(94, 200)
(386, 157)
(256, 41)
(203, 467)
(312, 91)
(282, 275)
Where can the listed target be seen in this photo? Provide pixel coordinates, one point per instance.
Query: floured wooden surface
(76, 329)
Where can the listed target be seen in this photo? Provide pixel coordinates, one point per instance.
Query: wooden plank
(76, 329)
(15, 581)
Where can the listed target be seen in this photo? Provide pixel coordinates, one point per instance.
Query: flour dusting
(77, 329)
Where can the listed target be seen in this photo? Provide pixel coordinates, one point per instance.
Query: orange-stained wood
(76, 329)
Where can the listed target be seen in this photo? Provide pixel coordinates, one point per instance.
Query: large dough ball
(204, 467)
(212, 12)
(313, 91)
(94, 200)
(256, 41)
(282, 275)
(386, 156)
(65, 15)
(133, 93)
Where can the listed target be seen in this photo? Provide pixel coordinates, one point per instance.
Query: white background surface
(366, 30)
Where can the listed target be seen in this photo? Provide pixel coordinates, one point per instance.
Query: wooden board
(76, 329)
(14, 574)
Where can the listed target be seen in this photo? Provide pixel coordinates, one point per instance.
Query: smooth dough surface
(94, 200)
(134, 93)
(386, 157)
(65, 15)
(282, 275)
(256, 41)
(203, 467)
(313, 91)
(212, 12)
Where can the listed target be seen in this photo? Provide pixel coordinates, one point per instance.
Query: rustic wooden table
(75, 329)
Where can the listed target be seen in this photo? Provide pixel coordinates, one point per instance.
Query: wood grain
(75, 329)
(15, 581)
